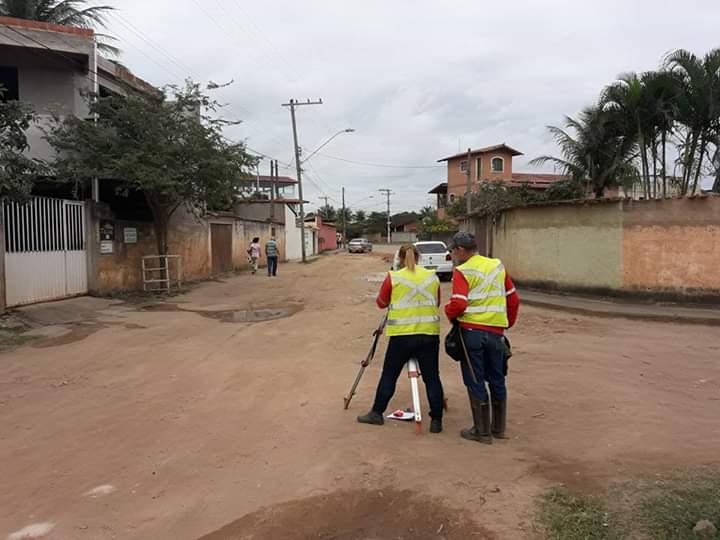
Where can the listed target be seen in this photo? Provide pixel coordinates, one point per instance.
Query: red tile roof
(280, 179)
(536, 180)
(485, 150)
(37, 25)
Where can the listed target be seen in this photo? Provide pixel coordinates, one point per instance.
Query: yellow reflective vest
(487, 304)
(414, 303)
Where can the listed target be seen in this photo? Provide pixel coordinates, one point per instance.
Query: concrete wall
(293, 246)
(662, 248)
(189, 237)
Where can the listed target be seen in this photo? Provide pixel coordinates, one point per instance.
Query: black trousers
(425, 350)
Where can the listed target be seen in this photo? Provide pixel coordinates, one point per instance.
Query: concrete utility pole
(468, 192)
(324, 198)
(273, 170)
(298, 165)
(387, 192)
(344, 217)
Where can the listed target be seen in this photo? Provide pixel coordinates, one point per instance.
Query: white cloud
(412, 77)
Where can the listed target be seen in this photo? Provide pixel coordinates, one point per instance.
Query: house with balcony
(488, 164)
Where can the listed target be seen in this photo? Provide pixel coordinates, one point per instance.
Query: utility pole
(324, 198)
(273, 166)
(387, 192)
(344, 216)
(468, 192)
(292, 104)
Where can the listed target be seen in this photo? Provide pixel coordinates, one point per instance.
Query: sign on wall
(107, 230)
(106, 247)
(130, 235)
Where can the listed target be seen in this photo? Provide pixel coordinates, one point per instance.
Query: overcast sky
(417, 80)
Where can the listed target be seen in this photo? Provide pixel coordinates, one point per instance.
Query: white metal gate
(45, 253)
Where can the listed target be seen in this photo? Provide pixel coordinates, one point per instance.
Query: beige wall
(672, 245)
(457, 179)
(655, 247)
(573, 246)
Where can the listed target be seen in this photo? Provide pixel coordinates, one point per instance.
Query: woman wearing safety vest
(485, 303)
(413, 326)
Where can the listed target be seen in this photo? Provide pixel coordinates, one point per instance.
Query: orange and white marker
(413, 373)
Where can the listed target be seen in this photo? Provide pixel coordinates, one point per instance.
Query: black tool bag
(453, 345)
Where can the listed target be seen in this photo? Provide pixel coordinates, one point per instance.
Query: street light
(348, 130)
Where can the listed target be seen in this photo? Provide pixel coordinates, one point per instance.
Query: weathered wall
(188, 237)
(457, 179)
(672, 245)
(572, 245)
(669, 247)
(327, 236)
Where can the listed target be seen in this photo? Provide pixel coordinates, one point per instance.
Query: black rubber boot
(372, 417)
(480, 432)
(435, 425)
(499, 415)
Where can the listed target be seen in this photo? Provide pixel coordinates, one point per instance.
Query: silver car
(359, 245)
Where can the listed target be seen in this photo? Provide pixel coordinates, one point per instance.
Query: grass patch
(565, 515)
(661, 508)
(11, 340)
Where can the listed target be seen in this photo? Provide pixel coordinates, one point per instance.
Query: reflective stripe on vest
(487, 304)
(413, 303)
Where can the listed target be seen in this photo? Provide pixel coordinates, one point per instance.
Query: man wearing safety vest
(413, 326)
(485, 303)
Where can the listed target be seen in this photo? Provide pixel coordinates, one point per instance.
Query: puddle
(75, 334)
(357, 514)
(232, 315)
(250, 315)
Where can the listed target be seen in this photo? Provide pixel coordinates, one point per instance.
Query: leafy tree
(433, 224)
(376, 222)
(65, 12)
(17, 171)
(698, 109)
(327, 213)
(599, 152)
(427, 211)
(347, 215)
(359, 216)
(491, 198)
(168, 147)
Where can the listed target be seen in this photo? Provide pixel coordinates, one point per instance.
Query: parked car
(434, 255)
(359, 245)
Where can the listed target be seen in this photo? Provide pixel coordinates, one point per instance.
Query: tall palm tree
(65, 12)
(698, 108)
(599, 153)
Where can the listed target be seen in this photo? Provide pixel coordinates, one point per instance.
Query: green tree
(698, 109)
(65, 12)
(346, 215)
(491, 198)
(170, 148)
(599, 152)
(17, 171)
(426, 212)
(359, 216)
(327, 213)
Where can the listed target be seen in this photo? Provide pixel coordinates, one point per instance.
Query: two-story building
(489, 164)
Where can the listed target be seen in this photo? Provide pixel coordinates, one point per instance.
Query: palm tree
(698, 108)
(65, 12)
(599, 153)
(426, 212)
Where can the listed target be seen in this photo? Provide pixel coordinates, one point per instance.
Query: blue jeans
(272, 265)
(487, 353)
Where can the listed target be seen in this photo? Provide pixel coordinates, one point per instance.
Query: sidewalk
(707, 315)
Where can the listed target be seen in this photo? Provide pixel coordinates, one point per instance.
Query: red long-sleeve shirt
(383, 299)
(459, 303)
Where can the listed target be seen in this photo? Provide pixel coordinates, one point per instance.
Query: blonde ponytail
(409, 256)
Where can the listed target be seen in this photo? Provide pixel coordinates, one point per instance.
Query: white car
(434, 255)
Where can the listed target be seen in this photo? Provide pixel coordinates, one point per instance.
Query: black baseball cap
(463, 239)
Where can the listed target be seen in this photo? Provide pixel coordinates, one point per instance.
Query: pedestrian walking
(413, 295)
(484, 302)
(254, 254)
(271, 252)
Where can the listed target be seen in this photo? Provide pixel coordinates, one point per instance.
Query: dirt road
(186, 420)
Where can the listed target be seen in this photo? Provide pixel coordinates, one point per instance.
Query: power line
(385, 165)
